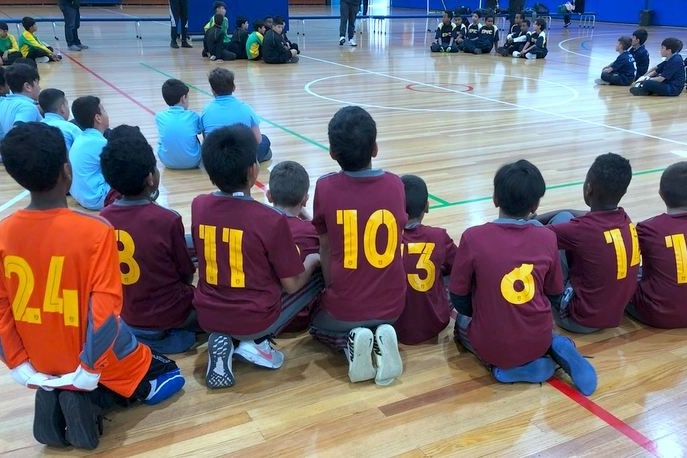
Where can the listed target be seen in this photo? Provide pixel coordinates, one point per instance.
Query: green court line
(441, 202)
(548, 188)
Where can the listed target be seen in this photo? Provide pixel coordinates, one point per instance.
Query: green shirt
(224, 28)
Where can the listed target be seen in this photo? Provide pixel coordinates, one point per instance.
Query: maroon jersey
(661, 296)
(363, 214)
(508, 268)
(603, 257)
(428, 254)
(304, 235)
(155, 265)
(244, 248)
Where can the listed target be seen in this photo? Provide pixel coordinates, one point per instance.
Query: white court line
(13, 200)
(489, 99)
(560, 45)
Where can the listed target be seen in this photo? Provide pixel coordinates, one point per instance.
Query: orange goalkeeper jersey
(60, 298)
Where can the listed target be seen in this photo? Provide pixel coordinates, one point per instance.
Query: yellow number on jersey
(68, 305)
(126, 256)
(677, 243)
(615, 237)
(425, 263)
(232, 237)
(522, 274)
(349, 220)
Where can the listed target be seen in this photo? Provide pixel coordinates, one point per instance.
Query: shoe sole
(581, 372)
(220, 351)
(48, 421)
(389, 363)
(81, 416)
(537, 371)
(360, 368)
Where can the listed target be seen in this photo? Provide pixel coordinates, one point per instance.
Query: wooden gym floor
(452, 119)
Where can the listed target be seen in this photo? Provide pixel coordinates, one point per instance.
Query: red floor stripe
(128, 97)
(606, 416)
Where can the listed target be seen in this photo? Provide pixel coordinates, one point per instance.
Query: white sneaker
(530, 56)
(387, 357)
(601, 82)
(213, 57)
(359, 355)
(342, 40)
(352, 42)
(261, 354)
(42, 60)
(516, 53)
(220, 350)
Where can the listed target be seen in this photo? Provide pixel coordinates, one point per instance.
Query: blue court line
(583, 45)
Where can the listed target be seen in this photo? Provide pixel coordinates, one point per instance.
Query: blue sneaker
(581, 372)
(537, 371)
(164, 387)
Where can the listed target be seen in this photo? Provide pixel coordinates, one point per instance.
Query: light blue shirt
(226, 110)
(70, 131)
(178, 146)
(17, 108)
(88, 184)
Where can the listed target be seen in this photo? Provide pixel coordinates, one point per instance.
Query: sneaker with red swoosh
(261, 354)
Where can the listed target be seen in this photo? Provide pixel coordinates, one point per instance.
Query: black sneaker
(48, 421)
(83, 418)
(174, 44)
(185, 44)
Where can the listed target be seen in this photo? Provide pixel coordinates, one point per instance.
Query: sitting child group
(631, 68)
(116, 292)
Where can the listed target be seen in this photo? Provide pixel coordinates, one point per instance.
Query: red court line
(606, 416)
(128, 97)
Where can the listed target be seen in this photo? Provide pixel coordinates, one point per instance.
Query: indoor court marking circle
(397, 77)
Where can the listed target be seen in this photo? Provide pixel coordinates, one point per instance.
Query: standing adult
(72, 21)
(349, 10)
(573, 6)
(178, 14)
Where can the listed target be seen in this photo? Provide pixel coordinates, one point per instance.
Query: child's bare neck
(47, 200)
(290, 211)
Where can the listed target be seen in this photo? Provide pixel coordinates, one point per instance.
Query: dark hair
(27, 22)
(416, 195)
(352, 135)
(173, 90)
(217, 5)
(278, 20)
(674, 185)
(257, 24)
(3, 26)
(449, 14)
(526, 21)
(221, 81)
(518, 187)
(541, 23)
(228, 153)
(18, 74)
(625, 42)
(126, 160)
(477, 13)
(218, 20)
(240, 20)
(84, 110)
(26, 61)
(674, 44)
(50, 100)
(289, 183)
(34, 154)
(489, 17)
(609, 177)
(641, 35)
